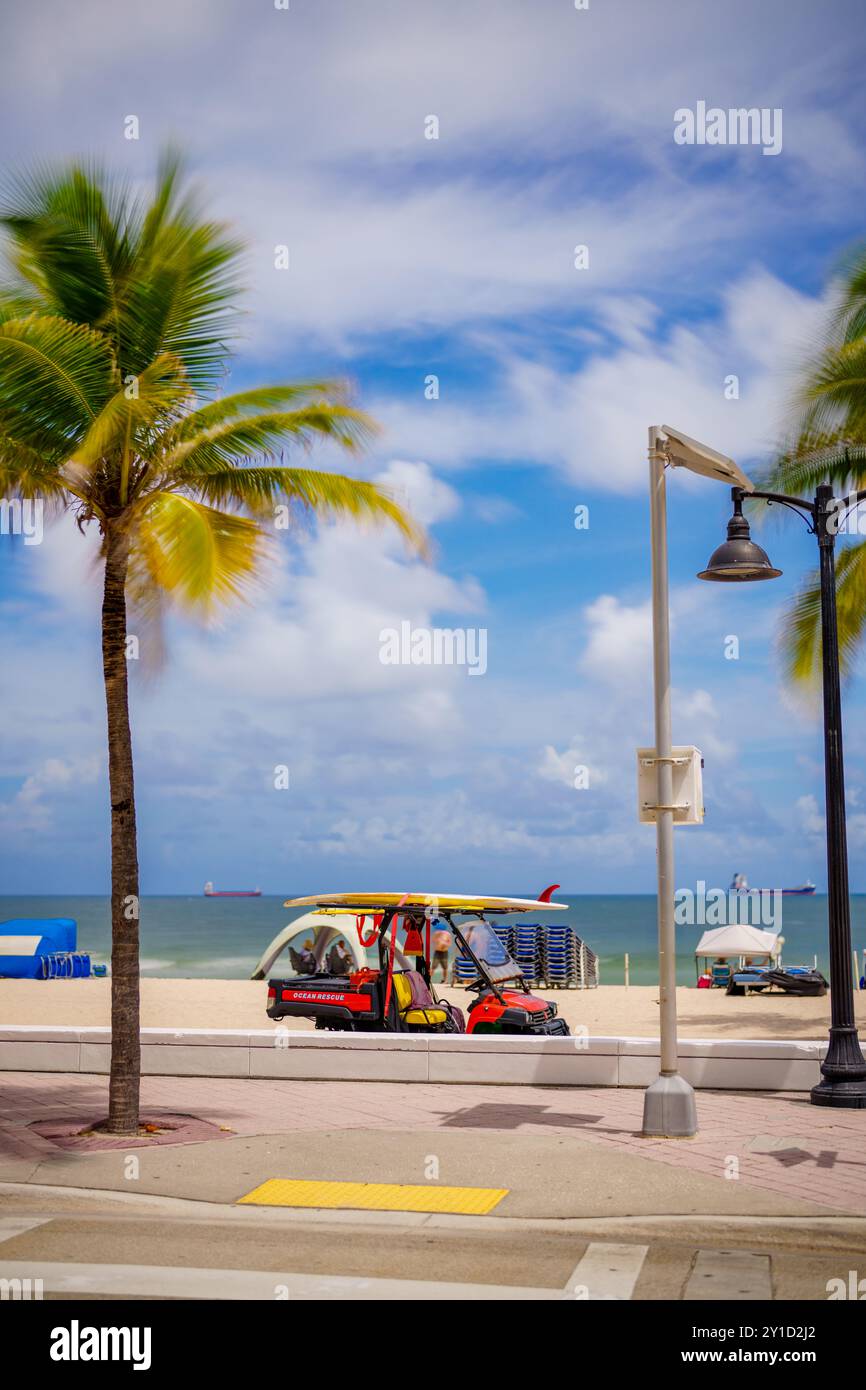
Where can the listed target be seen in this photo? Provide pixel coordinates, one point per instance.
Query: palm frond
(263, 436)
(157, 394)
(260, 490)
(849, 320)
(833, 457)
(183, 296)
(196, 554)
(27, 472)
(835, 396)
(801, 632)
(154, 277)
(256, 401)
(55, 376)
(73, 230)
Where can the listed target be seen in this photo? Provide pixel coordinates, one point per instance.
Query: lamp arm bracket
(799, 505)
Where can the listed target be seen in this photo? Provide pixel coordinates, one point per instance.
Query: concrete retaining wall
(712, 1064)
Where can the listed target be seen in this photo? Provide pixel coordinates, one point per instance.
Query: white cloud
(619, 643)
(562, 767)
(309, 124)
(416, 488)
(809, 818)
(591, 423)
(44, 793)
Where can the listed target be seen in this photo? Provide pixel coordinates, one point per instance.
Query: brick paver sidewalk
(780, 1142)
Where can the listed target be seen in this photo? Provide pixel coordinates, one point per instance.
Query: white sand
(611, 1009)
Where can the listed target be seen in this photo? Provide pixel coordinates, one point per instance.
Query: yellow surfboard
(443, 902)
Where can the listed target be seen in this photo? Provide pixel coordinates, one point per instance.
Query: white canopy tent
(325, 928)
(739, 940)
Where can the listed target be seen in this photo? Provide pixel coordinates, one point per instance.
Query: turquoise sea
(222, 938)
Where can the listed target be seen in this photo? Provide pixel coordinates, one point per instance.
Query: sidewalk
(561, 1153)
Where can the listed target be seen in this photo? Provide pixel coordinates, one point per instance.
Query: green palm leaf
(154, 396)
(801, 634)
(258, 400)
(55, 376)
(194, 553)
(25, 472)
(259, 490)
(834, 457)
(153, 277)
(73, 231)
(828, 445)
(264, 435)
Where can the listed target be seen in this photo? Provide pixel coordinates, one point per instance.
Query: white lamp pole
(669, 1103)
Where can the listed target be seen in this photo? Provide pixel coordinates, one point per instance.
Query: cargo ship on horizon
(211, 892)
(740, 885)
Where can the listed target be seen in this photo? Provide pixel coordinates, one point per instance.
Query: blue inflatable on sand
(26, 941)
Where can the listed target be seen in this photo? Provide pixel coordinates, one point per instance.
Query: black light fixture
(843, 1070)
(739, 559)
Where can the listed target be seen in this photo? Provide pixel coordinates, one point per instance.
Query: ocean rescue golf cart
(393, 998)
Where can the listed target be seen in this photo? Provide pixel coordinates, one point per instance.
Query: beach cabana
(736, 942)
(25, 942)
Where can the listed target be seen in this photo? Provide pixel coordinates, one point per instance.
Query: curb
(717, 1064)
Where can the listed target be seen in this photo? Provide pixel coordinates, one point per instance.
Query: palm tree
(113, 329)
(828, 445)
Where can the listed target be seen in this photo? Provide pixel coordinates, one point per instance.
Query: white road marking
(607, 1272)
(11, 1226)
(155, 1281)
(733, 1275)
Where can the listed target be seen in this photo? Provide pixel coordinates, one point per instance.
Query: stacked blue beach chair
(561, 958)
(528, 950)
(553, 956)
(506, 935)
(567, 961)
(464, 970)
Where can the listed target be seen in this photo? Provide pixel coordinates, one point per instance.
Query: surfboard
(444, 902)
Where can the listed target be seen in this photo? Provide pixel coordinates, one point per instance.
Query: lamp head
(739, 559)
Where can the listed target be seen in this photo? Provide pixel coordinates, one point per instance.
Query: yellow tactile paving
(374, 1196)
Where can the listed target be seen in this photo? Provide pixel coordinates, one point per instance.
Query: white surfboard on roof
(444, 902)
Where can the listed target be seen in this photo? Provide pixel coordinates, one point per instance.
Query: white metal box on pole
(687, 802)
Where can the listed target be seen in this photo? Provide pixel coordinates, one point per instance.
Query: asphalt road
(96, 1245)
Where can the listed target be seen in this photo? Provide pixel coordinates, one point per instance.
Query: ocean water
(222, 938)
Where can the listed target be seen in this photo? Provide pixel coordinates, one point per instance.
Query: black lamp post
(740, 559)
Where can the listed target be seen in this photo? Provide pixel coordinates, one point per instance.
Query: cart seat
(418, 1017)
(430, 1016)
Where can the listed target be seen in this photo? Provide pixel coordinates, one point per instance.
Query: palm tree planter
(113, 329)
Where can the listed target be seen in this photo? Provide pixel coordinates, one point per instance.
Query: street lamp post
(669, 1103)
(739, 559)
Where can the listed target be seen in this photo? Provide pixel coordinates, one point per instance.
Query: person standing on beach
(441, 947)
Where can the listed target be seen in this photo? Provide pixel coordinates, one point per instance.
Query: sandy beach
(609, 1010)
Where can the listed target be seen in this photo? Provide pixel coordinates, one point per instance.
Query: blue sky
(454, 257)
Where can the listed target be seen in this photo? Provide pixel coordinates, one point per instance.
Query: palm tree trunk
(125, 1044)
